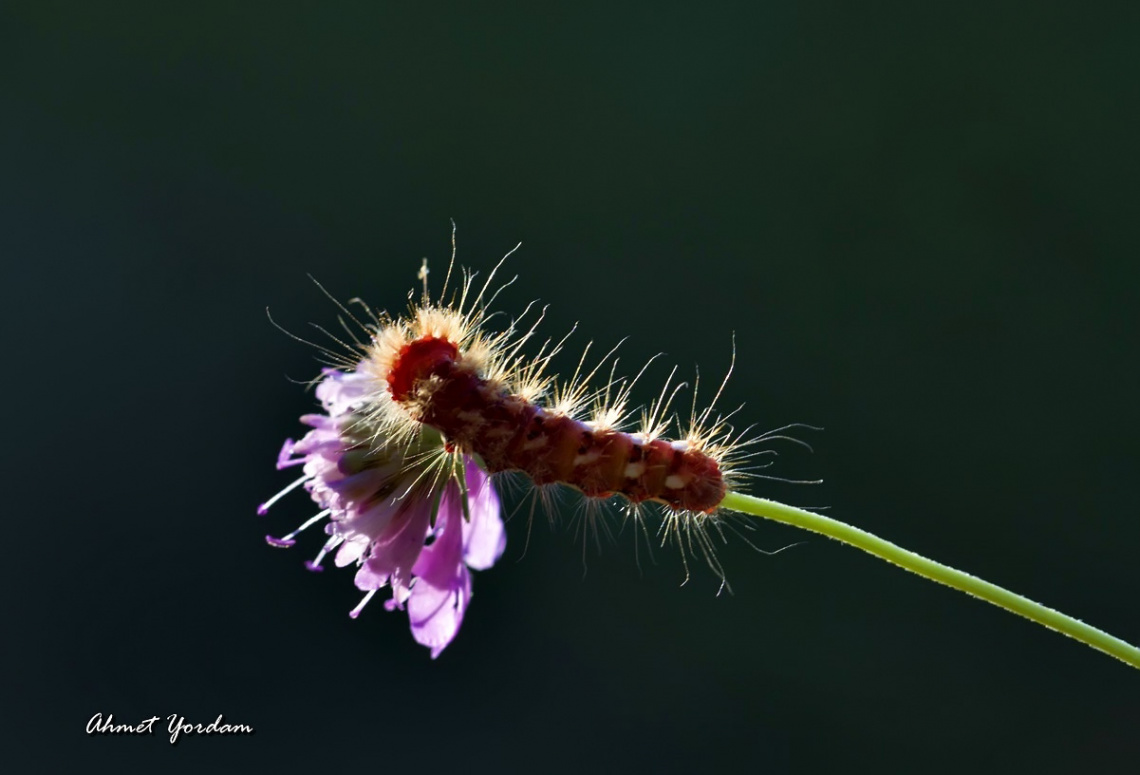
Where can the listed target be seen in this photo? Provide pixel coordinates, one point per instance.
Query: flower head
(410, 514)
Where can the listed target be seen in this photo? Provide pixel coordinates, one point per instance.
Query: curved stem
(964, 582)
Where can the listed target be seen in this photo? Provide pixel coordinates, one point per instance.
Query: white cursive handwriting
(107, 726)
(180, 726)
(177, 726)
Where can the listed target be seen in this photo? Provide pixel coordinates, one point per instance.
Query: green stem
(964, 582)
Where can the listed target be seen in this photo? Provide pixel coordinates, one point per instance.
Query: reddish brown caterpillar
(511, 433)
(440, 367)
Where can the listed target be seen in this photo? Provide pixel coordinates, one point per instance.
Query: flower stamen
(355, 612)
(263, 509)
(332, 543)
(287, 541)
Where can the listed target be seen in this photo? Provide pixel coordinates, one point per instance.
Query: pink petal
(436, 612)
(484, 538)
(397, 549)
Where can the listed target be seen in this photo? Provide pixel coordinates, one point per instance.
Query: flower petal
(484, 538)
(443, 583)
(351, 550)
(435, 612)
(366, 579)
(440, 562)
(396, 550)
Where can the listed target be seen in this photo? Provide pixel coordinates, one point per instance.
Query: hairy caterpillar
(439, 372)
(440, 369)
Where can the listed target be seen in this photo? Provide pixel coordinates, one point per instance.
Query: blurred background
(919, 224)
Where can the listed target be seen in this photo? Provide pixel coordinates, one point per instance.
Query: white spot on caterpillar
(589, 457)
(674, 482)
(634, 470)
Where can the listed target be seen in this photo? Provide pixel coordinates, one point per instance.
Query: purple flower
(410, 514)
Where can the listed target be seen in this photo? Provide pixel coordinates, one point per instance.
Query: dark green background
(919, 223)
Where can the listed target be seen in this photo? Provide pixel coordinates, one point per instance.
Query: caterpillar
(438, 370)
(438, 366)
